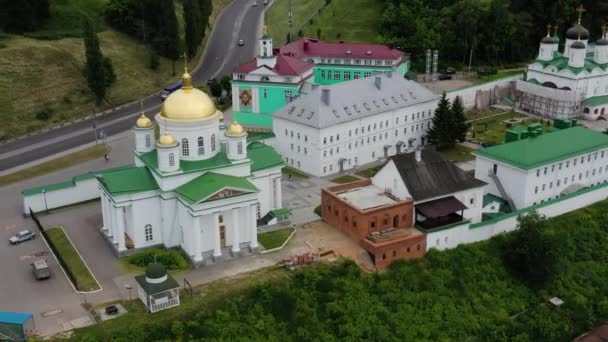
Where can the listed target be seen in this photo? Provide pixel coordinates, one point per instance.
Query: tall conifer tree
(461, 127)
(94, 68)
(441, 132)
(194, 26)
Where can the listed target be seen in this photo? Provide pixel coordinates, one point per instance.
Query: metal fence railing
(54, 249)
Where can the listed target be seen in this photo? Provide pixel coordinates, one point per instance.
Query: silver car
(22, 236)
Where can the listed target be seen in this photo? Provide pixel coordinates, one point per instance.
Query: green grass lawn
(274, 239)
(368, 173)
(457, 153)
(206, 298)
(293, 172)
(348, 20)
(46, 75)
(67, 160)
(345, 179)
(84, 278)
(492, 129)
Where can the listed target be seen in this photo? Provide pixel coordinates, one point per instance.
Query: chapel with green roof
(200, 186)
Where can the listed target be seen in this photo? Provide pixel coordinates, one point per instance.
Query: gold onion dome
(143, 121)
(188, 103)
(235, 129)
(167, 140)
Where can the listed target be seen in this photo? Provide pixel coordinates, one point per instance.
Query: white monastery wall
(84, 190)
(469, 94)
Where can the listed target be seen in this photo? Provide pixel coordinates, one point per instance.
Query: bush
(44, 114)
(318, 210)
(171, 258)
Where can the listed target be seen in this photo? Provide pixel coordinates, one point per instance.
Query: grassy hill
(42, 71)
(348, 20)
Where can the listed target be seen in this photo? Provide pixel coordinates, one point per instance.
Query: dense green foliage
(196, 17)
(171, 258)
(464, 294)
(494, 31)
(448, 124)
(23, 15)
(98, 69)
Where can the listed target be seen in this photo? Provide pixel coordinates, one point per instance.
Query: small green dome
(156, 270)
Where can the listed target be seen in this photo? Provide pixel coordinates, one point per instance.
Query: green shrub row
(173, 259)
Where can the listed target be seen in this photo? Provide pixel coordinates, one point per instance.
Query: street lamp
(46, 207)
(129, 288)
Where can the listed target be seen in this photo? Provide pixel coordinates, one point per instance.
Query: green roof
(596, 101)
(503, 205)
(547, 148)
(534, 81)
(70, 183)
(151, 288)
(263, 157)
(280, 212)
(258, 137)
(186, 166)
(127, 181)
(560, 62)
(205, 186)
(253, 119)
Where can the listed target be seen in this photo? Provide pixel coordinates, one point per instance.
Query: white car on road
(22, 236)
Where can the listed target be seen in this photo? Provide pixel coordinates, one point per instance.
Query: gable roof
(127, 181)
(433, 176)
(205, 186)
(309, 47)
(560, 62)
(285, 66)
(263, 157)
(596, 101)
(354, 100)
(547, 148)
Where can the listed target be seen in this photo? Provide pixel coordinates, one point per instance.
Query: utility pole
(290, 21)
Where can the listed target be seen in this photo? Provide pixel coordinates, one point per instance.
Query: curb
(283, 245)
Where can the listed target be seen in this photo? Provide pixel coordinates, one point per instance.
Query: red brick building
(379, 221)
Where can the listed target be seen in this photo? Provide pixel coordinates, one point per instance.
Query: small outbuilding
(16, 326)
(157, 289)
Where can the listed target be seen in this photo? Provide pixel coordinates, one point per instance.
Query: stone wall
(482, 96)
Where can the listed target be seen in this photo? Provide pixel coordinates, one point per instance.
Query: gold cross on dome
(580, 11)
(185, 63)
(549, 30)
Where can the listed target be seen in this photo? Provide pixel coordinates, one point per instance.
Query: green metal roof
(533, 152)
(280, 212)
(70, 183)
(132, 180)
(258, 137)
(503, 205)
(186, 166)
(151, 288)
(205, 186)
(596, 101)
(561, 63)
(253, 119)
(263, 157)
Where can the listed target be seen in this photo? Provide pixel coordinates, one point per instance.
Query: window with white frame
(171, 159)
(185, 148)
(239, 147)
(148, 233)
(148, 140)
(212, 142)
(201, 146)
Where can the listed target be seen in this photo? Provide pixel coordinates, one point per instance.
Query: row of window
(200, 144)
(567, 163)
(580, 177)
(343, 75)
(356, 61)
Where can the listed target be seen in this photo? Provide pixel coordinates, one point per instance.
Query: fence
(51, 245)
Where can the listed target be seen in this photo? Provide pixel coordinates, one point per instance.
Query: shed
(16, 326)
(157, 289)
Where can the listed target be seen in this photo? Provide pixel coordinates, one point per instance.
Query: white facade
(537, 185)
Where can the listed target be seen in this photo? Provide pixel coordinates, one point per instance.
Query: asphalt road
(239, 20)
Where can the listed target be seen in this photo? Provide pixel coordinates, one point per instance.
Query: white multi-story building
(567, 84)
(337, 127)
(543, 167)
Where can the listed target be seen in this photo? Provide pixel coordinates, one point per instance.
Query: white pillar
(198, 253)
(215, 227)
(235, 227)
(104, 212)
(120, 231)
(253, 227)
(114, 215)
(278, 197)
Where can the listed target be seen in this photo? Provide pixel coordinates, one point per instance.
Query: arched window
(212, 142)
(239, 147)
(148, 232)
(201, 146)
(147, 140)
(171, 159)
(185, 148)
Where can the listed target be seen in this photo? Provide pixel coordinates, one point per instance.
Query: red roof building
(308, 48)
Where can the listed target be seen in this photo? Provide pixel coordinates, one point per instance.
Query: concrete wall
(468, 233)
(81, 191)
(483, 95)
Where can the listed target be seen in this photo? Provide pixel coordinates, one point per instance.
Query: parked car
(444, 77)
(41, 269)
(241, 42)
(22, 236)
(169, 89)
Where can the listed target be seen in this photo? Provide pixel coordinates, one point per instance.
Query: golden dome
(236, 130)
(188, 103)
(167, 140)
(143, 122)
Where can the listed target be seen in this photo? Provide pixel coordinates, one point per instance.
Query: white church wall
(171, 234)
(207, 233)
(265, 182)
(146, 212)
(81, 191)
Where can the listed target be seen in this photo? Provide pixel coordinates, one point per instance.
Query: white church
(568, 84)
(199, 187)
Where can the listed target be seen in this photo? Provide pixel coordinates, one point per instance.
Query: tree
(215, 87)
(169, 39)
(528, 251)
(442, 129)
(226, 84)
(94, 67)
(24, 15)
(461, 127)
(194, 27)
(108, 72)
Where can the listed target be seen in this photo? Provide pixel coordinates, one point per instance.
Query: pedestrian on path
(107, 157)
(289, 178)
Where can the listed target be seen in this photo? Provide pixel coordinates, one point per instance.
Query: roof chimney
(378, 82)
(418, 155)
(325, 98)
(305, 44)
